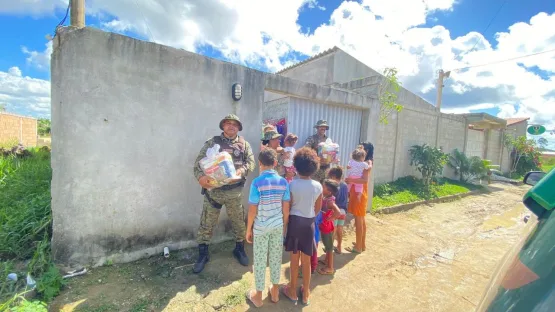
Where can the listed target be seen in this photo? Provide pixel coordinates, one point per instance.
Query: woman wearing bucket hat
(319, 137)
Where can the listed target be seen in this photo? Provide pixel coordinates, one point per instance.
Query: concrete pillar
(465, 136)
(77, 13)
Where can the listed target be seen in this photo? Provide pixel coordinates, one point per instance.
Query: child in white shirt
(355, 168)
(289, 153)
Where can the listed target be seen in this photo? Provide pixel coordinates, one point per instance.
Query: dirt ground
(432, 258)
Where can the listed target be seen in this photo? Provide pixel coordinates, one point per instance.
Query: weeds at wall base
(26, 218)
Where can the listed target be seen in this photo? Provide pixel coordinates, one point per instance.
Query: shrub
(429, 161)
(468, 168)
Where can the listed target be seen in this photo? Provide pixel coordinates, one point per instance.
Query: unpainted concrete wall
(128, 120)
(475, 145)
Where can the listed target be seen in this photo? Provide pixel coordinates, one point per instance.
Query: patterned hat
(270, 135)
(322, 123)
(231, 117)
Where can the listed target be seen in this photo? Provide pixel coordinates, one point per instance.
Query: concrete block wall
(416, 128)
(451, 137)
(475, 145)
(20, 128)
(384, 150)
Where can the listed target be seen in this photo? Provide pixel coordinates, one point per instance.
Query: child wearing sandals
(330, 213)
(306, 202)
(341, 200)
(268, 216)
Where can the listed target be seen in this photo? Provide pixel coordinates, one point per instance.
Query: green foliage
(28, 306)
(525, 155)
(50, 283)
(429, 161)
(2, 107)
(468, 168)
(26, 219)
(387, 94)
(410, 189)
(44, 127)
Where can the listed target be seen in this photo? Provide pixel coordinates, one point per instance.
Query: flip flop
(337, 251)
(324, 272)
(352, 250)
(363, 249)
(270, 295)
(302, 302)
(284, 291)
(249, 297)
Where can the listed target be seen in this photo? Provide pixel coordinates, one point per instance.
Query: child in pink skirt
(355, 168)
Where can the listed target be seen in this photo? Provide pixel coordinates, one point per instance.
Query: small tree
(524, 154)
(468, 168)
(542, 142)
(387, 94)
(429, 161)
(44, 126)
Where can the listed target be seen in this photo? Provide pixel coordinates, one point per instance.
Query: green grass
(26, 219)
(410, 189)
(548, 163)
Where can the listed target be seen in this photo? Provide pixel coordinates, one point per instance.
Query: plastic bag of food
(218, 166)
(328, 151)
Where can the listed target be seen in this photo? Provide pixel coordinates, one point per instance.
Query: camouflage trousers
(320, 175)
(232, 200)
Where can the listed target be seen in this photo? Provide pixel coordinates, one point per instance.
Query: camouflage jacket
(314, 140)
(248, 162)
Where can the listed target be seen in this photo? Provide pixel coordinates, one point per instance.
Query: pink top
(356, 168)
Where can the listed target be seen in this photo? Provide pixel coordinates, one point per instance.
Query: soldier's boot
(203, 258)
(240, 254)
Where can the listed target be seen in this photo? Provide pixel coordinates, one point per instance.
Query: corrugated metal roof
(512, 121)
(329, 51)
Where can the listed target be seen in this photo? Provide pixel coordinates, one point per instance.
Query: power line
(502, 61)
(63, 20)
(146, 22)
(486, 29)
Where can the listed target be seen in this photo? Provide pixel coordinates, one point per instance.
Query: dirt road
(431, 258)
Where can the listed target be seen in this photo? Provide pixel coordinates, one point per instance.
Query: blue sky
(305, 27)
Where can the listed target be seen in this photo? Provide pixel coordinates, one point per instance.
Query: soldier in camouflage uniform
(313, 141)
(229, 195)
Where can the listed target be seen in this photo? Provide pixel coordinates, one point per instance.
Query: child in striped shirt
(267, 219)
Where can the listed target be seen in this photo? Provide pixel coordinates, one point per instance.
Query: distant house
(517, 126)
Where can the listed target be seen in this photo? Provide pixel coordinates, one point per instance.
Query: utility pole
(77, 13)
(440, 78)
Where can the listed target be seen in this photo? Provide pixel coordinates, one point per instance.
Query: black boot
(203, 258)
(240, 254)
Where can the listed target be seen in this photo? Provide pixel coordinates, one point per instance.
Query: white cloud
(381, 33)
(31, 7)
(40, 60)
(24, 95)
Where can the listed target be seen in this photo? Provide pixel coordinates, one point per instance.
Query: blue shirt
(268, 191)
(317, 222)
(342, 196)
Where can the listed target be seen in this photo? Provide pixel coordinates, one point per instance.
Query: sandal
(285, 291)
(270, 295)
(337, 251)
(249, 297)
(324, 272)
(352, 250)
(302, 302)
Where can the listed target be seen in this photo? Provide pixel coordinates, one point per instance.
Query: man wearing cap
(229, 195)
(313, 141)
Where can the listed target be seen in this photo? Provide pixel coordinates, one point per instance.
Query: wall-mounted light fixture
(236, 92)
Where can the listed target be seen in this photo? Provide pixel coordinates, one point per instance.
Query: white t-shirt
(356, 168)
(289, 161)
(304, 194)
